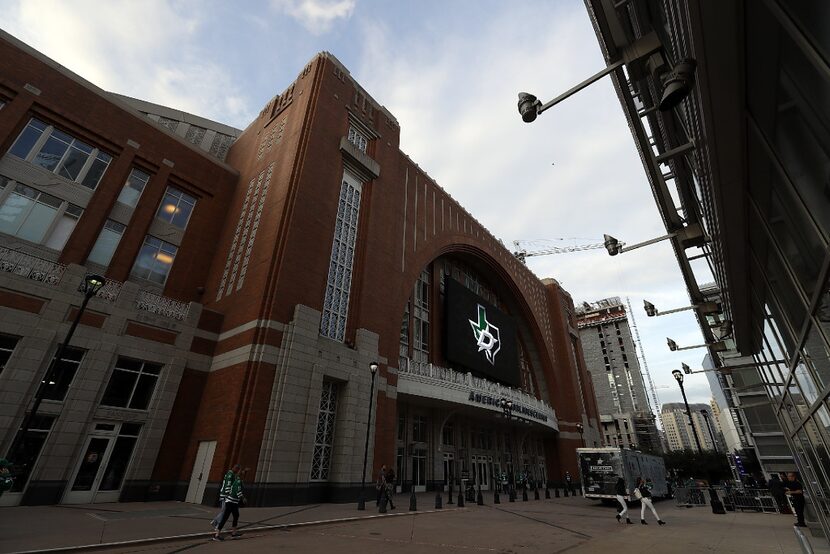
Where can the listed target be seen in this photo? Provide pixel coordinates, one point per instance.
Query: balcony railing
(161, 305)
(31, 267)
(443, 376)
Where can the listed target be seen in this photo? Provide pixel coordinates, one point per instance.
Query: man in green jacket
(224, 490)
(232, 501)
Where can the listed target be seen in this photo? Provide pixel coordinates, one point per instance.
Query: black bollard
(413, 502)
(524, 494)
(512, 494)
(496, 499)
(547, 492)
(556, 492)
(535, 493)
(438, 500)
(479, 497)
(449, 500)
(382, 507)
(565, 490)
(460, 496)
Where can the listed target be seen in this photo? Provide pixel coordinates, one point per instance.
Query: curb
(274, 527)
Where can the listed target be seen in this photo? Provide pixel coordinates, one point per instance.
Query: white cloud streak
(317, 16)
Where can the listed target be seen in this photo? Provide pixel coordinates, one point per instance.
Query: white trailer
(601, 467)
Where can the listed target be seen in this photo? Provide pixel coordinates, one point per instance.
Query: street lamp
(704, 308)
(361, 503)
(705, 415)
(678, 375)
(581, 429)
(90, 286)
(717, 346)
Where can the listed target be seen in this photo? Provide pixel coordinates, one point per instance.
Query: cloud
(142, 49)
(317, 16)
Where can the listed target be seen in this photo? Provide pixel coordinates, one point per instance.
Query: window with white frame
(324, 437)
(108, 239)
(132, 384)
(29, 214)
(338, 284)
(61, 153)
(154, 260)
(133, 188)
(358, 138)
(420, 319)
(176, 207)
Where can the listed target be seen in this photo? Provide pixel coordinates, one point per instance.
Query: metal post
(705, 415)
(449, 500)
(413, 500)
(479, 497)
(438, 499)
(460, 493)
(361, 503)
(689, 413)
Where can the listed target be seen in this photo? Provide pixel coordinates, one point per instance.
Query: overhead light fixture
(704, 308)
(677, 84)
(528, 106)
(691, 235)
(718, 346)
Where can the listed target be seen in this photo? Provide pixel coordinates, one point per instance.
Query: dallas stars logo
(486, 335)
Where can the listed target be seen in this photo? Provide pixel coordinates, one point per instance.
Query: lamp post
(581, 429)
(92, 283)
(507, 408)
(361, 503)
(705, 415)
(678, 375)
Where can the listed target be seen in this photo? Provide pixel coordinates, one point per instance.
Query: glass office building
(744, 160)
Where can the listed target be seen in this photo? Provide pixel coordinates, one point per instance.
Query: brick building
(253, 276)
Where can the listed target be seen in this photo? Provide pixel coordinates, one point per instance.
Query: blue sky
(450, 72)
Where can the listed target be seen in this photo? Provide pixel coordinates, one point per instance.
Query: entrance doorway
(449, 469)
(482, 467)
(419, 470)
(106, 457)
(201, 469)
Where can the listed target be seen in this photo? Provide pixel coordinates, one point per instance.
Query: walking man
(224, 490)
(776, 490)
(796, 493)
(234, 498)
(622, 492)
(389, 487)
(643, 493)
(568, 481)
(380, 484)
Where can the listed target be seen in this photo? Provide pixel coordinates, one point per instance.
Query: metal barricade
(690, 497)
(753, 500)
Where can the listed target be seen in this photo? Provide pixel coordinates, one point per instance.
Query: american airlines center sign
(480, 337)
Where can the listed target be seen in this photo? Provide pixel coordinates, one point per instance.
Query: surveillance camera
(672, 344)
(612, 245)
(678, 84)
(528, 106)
(651, 311)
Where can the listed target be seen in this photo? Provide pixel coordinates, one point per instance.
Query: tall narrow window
(154, 260)
(324, 437)
(133, 188)
(176, 207)
(27, 453)
(338, 285)
(358, 138)
(421, 297)
(107, 242)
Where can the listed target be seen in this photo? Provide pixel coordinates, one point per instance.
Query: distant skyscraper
(678, 431)
(611, 356)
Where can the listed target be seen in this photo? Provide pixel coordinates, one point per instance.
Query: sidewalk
(542, 526)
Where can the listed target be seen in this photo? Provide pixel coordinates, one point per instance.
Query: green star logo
(486, 335)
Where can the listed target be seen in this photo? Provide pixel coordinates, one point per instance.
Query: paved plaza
(543, 526)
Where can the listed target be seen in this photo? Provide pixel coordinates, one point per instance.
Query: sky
(449, 71)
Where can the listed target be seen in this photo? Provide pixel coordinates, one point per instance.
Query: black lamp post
(705, 415)
(581, 429)
(507, 408)
(361, 503)
(91, 285)
(678, 375)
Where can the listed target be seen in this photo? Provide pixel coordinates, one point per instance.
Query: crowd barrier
(743, 500)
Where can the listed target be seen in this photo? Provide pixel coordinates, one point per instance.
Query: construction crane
(522, 253)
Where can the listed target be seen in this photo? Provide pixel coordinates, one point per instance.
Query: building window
(120, 457)
(447, 434)
(420, 322)
(338, 285)
(132, 384)
(154, 260)
(176, 207)
(61, 153)
(324, 438)
(133, 187)
(401, 427)
(358, 139)
(7, 344)
(63, 375)
(419, 429)
(107, 242)
(27, 453)
(29, 214)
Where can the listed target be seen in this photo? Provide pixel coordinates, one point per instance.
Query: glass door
(104, 461)
(448, 469)
(419, 470)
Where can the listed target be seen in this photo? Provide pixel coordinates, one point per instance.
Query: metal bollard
(449, 500)
(547, 492)
(535, 493)
(479, 497)
(512, 494)
(496, 499)
(524, 494)
(565, 490)
(413, 501)
(556, 492)
(438, 500)
(460, 496)
(382, 507)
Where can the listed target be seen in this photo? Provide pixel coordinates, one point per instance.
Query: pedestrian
(796, 493)
(234, 498)
(621, 492)
(380, 484)
(568, 481)
(389, 487)
(643, 493)
(776, 490)
(224, 490)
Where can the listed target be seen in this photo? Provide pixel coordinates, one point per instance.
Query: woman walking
(621, 493)
(643, 492)
(234, 498)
